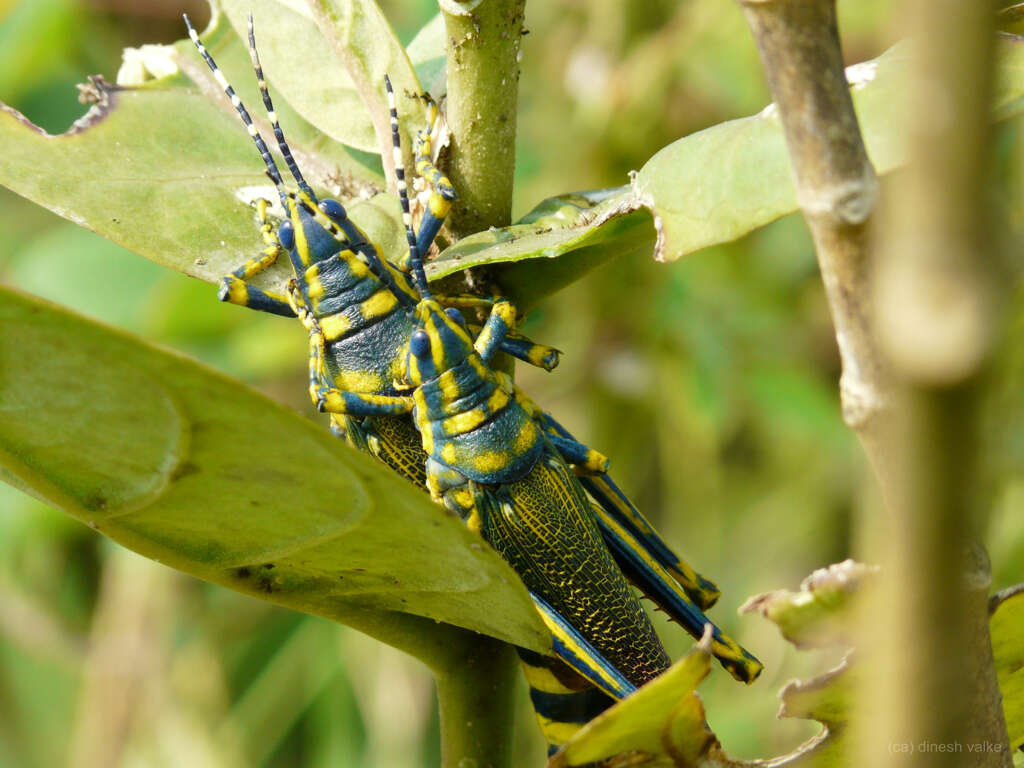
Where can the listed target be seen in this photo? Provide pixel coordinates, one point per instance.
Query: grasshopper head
(440, 343)
(303, 234)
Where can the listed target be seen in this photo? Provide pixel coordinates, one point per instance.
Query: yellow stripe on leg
(544, 680)
(555, 733)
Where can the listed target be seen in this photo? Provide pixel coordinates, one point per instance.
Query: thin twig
(836, 186)
(910, 372)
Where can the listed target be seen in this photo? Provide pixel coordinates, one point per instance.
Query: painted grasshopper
(360, 309)
(503, 465)
(363, 314)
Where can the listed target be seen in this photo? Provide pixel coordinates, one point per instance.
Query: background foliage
(711, 382)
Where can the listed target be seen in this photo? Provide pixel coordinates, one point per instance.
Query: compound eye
(334, 209)
(286, 235)
(419, 344)
(455, 315)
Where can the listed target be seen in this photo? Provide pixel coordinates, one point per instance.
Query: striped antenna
(419, 277)
(286, 151)
(272, 171)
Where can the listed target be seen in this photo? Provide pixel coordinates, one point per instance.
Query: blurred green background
(711, 383)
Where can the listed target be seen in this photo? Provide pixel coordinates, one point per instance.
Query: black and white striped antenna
(268, 160)
(419, 277)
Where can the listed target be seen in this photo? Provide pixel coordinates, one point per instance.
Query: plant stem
(937, 294)
(475, 682)
(910, 373)
(836, 187)
(476, 706)
(475, 676)
(483, 88)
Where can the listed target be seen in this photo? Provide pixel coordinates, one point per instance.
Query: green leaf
(719, 184)
(302, 47)
(707, 188)
(1006, 627)
(664, 724)
(819, 615)
(663, 718)
(167, 170)
(427, 54)
(122, 171)
(553, 245)
(195, 470)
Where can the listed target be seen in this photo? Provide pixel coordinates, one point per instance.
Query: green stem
(475, 697)
(475, 677)
(483, 87)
